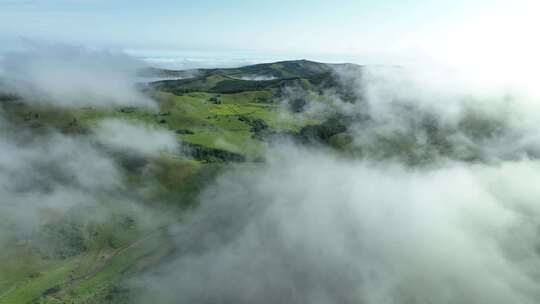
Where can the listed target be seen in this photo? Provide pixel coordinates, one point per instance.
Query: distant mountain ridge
(264, 76)
(280, 69)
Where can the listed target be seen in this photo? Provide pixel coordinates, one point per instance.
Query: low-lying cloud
(68, 75)
(312, 228)
(258, 77)
(135, 137)
(49, 175)
(57, 190)
(315, 226)
(439, 205)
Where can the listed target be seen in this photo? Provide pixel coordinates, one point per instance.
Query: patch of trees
(184, 132)
(132, 163)
(128, 110)
(297, 105)
(215, 100)
(181, 86)
(207, 154)
(8, 97)
(256, 125)
(322, 133)
(260, 99)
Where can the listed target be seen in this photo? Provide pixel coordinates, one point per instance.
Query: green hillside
(218, 117)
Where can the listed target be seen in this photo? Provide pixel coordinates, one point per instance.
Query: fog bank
(68, 75)
(311, 228)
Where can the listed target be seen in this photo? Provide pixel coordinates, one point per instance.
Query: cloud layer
(68, 75)
(310, 228)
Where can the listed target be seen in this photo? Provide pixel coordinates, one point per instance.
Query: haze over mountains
(290, 182)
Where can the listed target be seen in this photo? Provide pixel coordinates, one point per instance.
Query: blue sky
(372, 30)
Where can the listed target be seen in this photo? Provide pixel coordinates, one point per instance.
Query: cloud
(258, 77)
(440, 206)
(135, 137)
(68, 75)
(308, 227)
(498, 124)
(420, 115)
(52, 172)
(58, 192)
(47, 178)
(187, 61)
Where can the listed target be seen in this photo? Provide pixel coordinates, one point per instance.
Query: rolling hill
(220, 116)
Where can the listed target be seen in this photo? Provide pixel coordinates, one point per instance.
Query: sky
(362, 31)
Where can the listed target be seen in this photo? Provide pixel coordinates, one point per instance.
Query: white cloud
(135, 137)
(74, 76)
(310, 228)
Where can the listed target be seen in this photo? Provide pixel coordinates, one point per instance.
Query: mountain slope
(220, 116)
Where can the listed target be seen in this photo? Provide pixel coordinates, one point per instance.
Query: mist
(59, 191)
(70, 75)
(438, 204)
(429, 196)
(133, 137)
(309, 227)
(404, 170)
